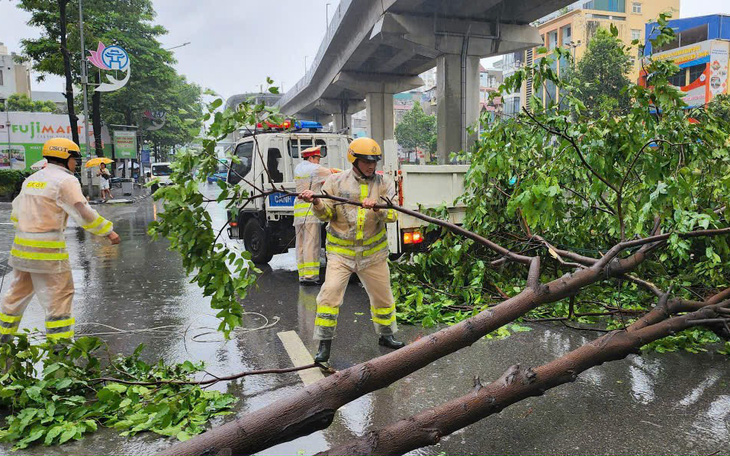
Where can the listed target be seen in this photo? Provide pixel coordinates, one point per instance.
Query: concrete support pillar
(381, 122)
(458, 103)
(342, 121)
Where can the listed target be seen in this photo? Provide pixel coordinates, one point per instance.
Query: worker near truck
(356, 243)
(308, 175)
(38, 256)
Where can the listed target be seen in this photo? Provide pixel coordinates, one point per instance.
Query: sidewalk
(138, 193)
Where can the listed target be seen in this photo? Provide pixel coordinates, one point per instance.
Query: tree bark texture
(72, 118)
(516, 384)
(96, 119)
(314, 407)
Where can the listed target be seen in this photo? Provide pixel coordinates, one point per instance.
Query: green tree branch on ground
(585, 179)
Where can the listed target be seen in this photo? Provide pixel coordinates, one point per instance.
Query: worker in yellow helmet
(356, 243)
(38, 255)
(308, 175)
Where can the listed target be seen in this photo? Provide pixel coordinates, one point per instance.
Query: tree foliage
(417, 130)
(154, 84)
(585, 180)
(602, 73)
(55, 394)
(22, 102)
(225, 275)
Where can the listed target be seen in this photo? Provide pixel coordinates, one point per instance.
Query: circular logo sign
(115, 58)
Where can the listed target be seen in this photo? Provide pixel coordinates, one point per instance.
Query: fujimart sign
(21, 142)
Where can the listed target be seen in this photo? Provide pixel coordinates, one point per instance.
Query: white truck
(265, 224)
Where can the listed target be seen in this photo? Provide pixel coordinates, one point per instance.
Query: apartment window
(636, 8)
(679, 79)
(567, 35)
(696, 71)
(552, 39)
(635, 34)
(1, 78)
(616, 6)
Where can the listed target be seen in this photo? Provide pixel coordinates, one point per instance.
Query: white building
(14, 77)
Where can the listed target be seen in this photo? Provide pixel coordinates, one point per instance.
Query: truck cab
(266, 224)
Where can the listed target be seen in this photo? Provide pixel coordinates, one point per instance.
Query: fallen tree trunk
(314, 407)
(516, 384)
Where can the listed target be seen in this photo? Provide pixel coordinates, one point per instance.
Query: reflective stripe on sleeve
(99, 227)
(99, 220)
(41, 256)
(40, 244)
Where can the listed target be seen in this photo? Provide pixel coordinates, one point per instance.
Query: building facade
(14, 77)
(700, 49)
(574, 26)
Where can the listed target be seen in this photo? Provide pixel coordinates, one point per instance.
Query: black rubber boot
(323, 355)
(390, 342)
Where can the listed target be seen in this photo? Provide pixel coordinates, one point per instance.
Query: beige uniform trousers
(308, 246)
(375, 278)
(55, 292)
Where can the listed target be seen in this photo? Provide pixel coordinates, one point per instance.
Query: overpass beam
(381, 121)
(458, 103)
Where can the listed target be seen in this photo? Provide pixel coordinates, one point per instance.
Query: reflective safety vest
(40, 214)
(308, 176)
(355, 234)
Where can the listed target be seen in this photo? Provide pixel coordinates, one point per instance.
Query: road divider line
(300, 356)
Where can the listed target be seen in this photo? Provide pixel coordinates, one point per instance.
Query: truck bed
(430, 186)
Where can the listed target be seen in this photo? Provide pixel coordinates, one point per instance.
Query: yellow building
(574, 27)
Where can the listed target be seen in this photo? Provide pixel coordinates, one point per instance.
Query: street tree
(602, 73)
(417, 130)
(22, 102)
(615, 216)
(50, 53)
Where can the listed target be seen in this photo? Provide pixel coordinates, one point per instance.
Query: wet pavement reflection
(138, 293)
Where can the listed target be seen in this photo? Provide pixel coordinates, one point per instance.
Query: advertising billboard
(22, 135)
(703, 70)
(125, 144)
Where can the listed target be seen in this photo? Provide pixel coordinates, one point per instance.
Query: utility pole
(84, 85)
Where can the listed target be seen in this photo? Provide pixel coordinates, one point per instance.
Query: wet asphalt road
(137, 293)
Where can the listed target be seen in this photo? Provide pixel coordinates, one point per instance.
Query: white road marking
(300, 356)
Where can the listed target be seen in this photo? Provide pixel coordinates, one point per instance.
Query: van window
(244, 152)
(299, 144)
(272, 164)
(161, 170)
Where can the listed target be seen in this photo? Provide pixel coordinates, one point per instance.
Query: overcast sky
(236, 44)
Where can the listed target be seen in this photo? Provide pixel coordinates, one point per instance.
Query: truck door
(243, 169)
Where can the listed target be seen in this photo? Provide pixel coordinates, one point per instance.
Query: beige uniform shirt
(356, 235)
(40, 214)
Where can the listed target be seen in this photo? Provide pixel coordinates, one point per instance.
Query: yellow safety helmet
(366, 149)
(61, 148)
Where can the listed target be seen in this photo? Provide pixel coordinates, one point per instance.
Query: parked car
(219, 176)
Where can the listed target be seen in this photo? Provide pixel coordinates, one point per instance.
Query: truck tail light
(412, 237)
(417, 237)
(234, 224)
